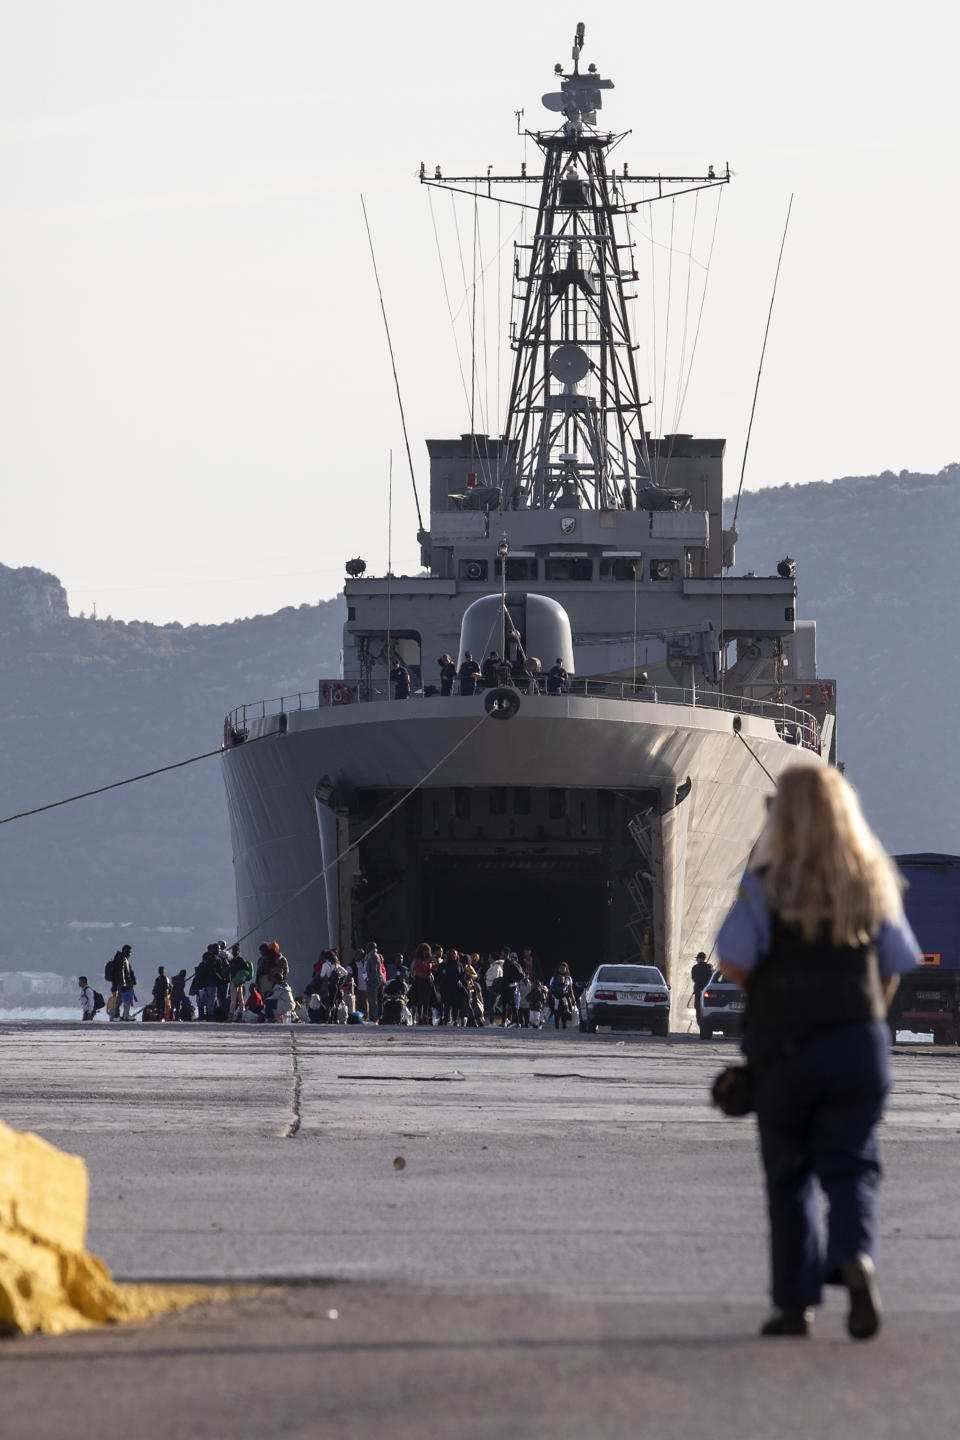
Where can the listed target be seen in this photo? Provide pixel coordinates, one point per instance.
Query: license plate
(626, 995)
(735, 1005)
(929, 995)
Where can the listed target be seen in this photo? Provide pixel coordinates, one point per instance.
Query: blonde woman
(818, 940)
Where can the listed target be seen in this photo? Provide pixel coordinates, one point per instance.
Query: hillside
(876, 560)
(86, 702)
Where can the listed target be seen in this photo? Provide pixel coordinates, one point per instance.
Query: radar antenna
(574, 434)
(578, 47)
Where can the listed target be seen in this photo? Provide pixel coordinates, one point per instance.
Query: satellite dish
(554, 101)
(569, 364)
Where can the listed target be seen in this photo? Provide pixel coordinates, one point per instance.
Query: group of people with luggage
(225, 986)
(441, 986)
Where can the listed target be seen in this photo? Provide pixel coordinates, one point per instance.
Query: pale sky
(196, 407)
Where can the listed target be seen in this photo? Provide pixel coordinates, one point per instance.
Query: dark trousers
(423, 996)
(817, 1111)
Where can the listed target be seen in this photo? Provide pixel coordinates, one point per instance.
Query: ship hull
(591, 829)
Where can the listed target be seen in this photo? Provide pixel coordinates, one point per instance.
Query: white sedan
(634, 996)
(721, 1007)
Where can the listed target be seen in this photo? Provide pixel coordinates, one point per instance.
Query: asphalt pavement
(470, 1234)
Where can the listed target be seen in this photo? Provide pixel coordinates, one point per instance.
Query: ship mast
(574, 434)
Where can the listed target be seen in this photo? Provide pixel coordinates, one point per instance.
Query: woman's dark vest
(802, 982)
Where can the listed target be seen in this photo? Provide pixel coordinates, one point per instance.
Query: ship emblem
(568, 524)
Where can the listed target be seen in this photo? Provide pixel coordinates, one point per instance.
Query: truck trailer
(928, 999)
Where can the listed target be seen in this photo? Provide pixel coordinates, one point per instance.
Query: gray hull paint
(702, 843)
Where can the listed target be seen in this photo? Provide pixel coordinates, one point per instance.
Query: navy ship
(597, 794)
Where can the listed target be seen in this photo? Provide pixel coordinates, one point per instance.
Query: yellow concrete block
(32, 1296)
(48, 1282)
(42, 1191)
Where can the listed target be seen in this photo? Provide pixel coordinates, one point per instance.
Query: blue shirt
(745, 934)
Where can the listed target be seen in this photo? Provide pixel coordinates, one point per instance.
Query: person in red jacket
(423, 972)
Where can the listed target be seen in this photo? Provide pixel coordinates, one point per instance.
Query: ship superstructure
(610, 820)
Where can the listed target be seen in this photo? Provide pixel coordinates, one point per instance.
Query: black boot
(789, 1322)
(860, 1278)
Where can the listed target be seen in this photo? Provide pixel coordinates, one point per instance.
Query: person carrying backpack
(205, 980)
(512, 975)
(161, 994)
(241, 973)
(336, 983)
(88, 999)
(119, 975)
(223, 964)
(126, 979)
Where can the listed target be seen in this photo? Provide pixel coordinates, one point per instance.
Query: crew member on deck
(448, 673)
(491, 669)
(468, 673)
(400, 677)
(557, 678)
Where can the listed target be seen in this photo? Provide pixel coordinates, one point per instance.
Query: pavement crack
(419, 1079)
(296, 1116)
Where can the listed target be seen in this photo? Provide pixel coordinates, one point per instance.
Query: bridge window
(621, 567)
(569, 567)
(519, 567)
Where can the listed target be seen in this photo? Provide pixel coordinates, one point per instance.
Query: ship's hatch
(480, 868)
(482, 902)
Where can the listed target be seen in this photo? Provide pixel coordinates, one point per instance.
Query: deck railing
(795, 726)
